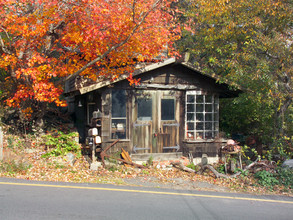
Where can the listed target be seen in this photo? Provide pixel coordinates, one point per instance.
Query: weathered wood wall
(171, 81)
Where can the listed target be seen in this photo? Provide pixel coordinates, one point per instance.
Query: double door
(155, 121)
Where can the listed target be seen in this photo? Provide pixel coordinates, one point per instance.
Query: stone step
(156, 156)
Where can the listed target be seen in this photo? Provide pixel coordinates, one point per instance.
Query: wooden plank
(125, 156)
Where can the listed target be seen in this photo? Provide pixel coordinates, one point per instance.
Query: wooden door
(156, 122)
(168, 137)
(143, 126)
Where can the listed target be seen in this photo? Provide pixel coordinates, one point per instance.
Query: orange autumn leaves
(44, 41)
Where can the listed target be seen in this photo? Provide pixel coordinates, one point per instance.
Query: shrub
(280, 149)
(61, 144)
(221, 168)
(285, 177)
(265, 178)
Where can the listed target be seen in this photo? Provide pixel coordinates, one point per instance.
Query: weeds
(12, 167)
(150, 160)
(193, 166)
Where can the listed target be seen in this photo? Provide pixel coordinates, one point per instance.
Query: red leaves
(133, 81)
(47, 39)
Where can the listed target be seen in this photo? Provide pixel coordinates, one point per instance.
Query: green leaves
(247, 43)
(60, 144)
(265, 178)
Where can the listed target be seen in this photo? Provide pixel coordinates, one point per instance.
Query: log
(180, 166)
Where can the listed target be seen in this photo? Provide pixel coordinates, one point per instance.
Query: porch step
(156, 156)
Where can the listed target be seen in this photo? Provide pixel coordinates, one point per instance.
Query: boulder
(95, 165)
(288, 163)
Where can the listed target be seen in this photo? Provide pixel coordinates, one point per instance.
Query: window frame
(89, 117)
(145, 118)
(192, 114)
(112, 130)
(174, 109)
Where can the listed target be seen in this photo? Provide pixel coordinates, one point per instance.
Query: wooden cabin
(174, 109)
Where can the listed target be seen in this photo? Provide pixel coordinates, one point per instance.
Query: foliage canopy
(248, 43)
(44, 42)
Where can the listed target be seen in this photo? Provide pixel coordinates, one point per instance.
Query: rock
(70, 158)
(95, 165)
(30, 150)
(288, 164)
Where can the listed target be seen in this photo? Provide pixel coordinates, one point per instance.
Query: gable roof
(146, 68)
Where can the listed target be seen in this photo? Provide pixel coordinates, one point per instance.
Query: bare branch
(133, 11)
(3, 47)
(52, 36)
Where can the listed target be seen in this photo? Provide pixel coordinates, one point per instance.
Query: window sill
(120, 140)
(205, 141)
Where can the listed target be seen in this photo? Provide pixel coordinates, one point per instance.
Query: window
(202, 115)
(118, 124)
(91, 107)
(144, 109)
(167, 109)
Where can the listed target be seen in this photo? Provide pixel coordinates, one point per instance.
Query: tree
(248, 43)
(45, 42)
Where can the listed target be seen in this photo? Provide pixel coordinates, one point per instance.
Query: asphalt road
(20, 199)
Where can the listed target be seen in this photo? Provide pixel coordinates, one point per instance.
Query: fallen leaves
(59, 169)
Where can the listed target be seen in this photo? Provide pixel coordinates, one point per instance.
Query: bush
(62, 144)
(265, 178)
(285, 177)
(221, 168)
(280, 149)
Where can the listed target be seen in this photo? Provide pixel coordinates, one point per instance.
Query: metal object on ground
(103, 154)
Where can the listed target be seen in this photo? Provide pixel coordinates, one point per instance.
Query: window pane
(199, 107)
(190, 126)
(209, 99)
(208, 126)
(209, 117)
(204, 113)
(118, 103)
(216, 117)
(216, 107)
(216, 134)
(190, 107)
(167, 109)
(199, 116)
(209, 135)
(208, 108)
(216, 126)
(118, 129)
(190, 98)
(199, 98)
(190, 135)
(144, 109)
(199, 126)
(199, 135)
(190, 116)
